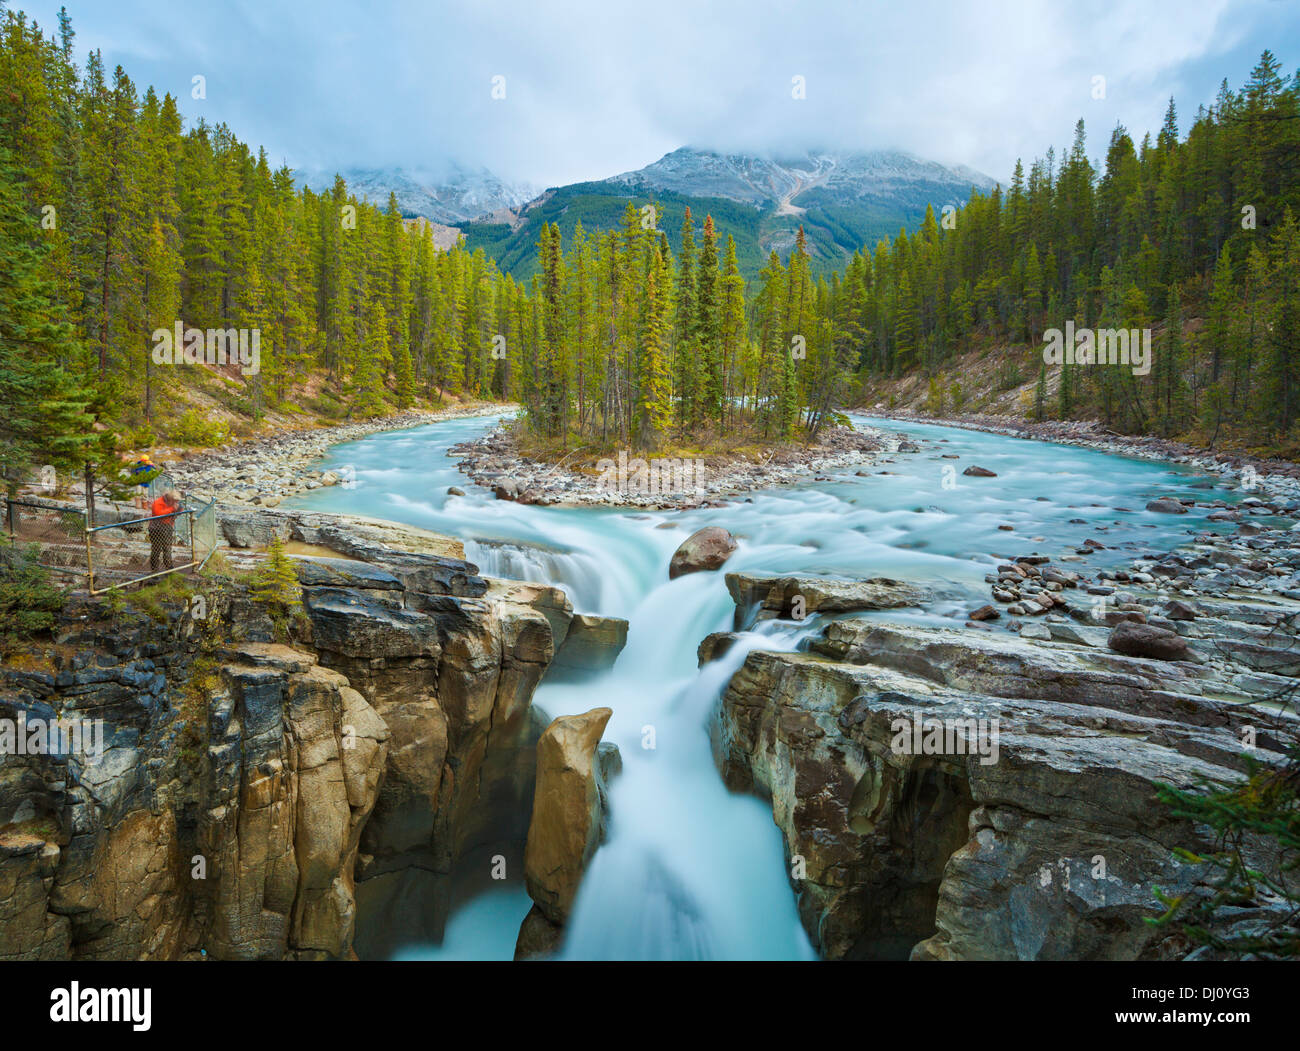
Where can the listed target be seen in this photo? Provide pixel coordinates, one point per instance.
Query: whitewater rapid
(690, 870)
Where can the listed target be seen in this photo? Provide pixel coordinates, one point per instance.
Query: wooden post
(90, 494)
(90, 565)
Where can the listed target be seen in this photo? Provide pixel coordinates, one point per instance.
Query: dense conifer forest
(119, 222)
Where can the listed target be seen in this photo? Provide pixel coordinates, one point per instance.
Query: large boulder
(566, 823)
(592, 644)
(706, 548)
(764, 598)
(1167, 505)
(1146, 640)
(506, 489)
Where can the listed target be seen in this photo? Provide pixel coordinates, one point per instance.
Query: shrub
(28, 601)
(325, 404)
(275, 587)
(193, 428)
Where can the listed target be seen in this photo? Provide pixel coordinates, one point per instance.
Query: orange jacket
(161, 507)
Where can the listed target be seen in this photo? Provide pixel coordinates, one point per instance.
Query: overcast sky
(597, 87)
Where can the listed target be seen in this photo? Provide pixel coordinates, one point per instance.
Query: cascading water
(690, 870)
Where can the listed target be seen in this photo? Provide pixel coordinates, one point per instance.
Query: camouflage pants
(161, 536)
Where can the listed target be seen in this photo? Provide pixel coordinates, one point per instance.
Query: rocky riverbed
(1178, 670)
(263, 471)
(1280, 477)
(494, 461)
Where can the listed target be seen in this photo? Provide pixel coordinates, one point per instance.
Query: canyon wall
(315, 796)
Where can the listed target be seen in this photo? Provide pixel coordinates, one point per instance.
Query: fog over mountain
(449, 196)
(590, 89)
(888, 179)
(880, 174)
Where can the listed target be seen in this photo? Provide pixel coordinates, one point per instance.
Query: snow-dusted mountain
(452, 196)
(884, 176)
(844, 201)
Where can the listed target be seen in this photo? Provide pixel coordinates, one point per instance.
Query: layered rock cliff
(950, 793)
(318, 797)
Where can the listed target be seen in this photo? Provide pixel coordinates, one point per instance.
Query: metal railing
(114, 554)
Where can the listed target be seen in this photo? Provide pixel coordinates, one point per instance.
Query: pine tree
(706, 332)
(372, 366)
(733, 329)
(48, 413)
(654, 387)
(275, 587)
(684, 352)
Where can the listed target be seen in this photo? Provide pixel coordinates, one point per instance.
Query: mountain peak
(453, 195)
(781, 179)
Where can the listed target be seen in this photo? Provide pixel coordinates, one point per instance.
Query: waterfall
(577, 573)
(691, 870)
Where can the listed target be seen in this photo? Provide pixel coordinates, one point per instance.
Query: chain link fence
(137, 547)
(55, 532)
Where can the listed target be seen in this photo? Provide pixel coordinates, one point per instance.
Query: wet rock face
(1027, 827)
(705, 549)
(568, 823)
(565, 827)
(264, 801)
(765, 598)
(298, 770)
(222, 814)
(452, 675)
(592, 644)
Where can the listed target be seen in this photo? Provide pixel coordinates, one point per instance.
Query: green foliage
(274, 586)
(47, 414)
(934, 398)
(563, 313)
(194, 428)
(1262, 810)
(325, 404)
(1162, 233)
(158, 599)
(29, 602)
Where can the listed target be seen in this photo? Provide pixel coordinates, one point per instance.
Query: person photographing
(162, 530)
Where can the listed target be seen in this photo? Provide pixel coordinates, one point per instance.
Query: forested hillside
(1196, 238)
(120, 223)
(842, 201)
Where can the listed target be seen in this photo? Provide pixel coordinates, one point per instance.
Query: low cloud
(592, 89)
